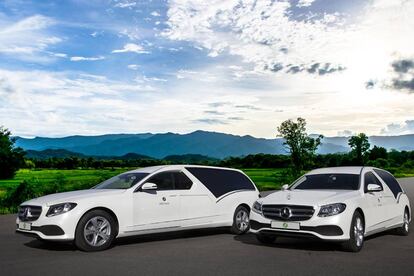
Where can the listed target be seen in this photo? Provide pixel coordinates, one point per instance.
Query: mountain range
(212, 144)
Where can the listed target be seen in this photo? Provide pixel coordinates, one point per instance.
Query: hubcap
(242, 220)
(359, 232)
(406, 221)
(97, 231)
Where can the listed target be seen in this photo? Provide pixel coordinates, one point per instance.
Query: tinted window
(220, 181)
(181, 181)
(391, 182)
(164, 181)
(122, 181)
(328, 182)
(370, 178)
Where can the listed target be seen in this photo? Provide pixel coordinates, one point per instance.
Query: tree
(11, 157)
(301, 146)
(360, 146)
(378, 152)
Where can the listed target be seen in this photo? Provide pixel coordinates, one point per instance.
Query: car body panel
(142, 212)
(381, 210)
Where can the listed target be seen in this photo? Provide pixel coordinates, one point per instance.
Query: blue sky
(242, 67)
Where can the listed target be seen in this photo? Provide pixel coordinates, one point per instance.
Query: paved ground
(206, 252)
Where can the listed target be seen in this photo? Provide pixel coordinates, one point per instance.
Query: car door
(157, 209)
(392, 191)
(197, 204)
(375, 212)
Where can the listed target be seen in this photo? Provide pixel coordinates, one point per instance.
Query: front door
(375, 210)
(157, 209)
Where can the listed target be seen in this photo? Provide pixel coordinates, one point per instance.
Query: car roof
(346, 170)
(175, 167)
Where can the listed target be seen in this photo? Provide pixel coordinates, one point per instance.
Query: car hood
(74, 196)
(309, 197)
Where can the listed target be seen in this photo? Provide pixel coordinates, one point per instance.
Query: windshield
(334, 181)
(122, 181)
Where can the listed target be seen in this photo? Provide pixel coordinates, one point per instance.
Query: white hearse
(343, 204)
(147, 200)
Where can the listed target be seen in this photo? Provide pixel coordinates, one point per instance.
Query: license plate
(285, 225)
(25, 226)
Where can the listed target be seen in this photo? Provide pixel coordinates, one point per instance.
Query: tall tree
(11, 157)
(360, 146)
(301, 146)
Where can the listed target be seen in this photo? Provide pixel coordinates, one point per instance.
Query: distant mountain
(50, 153)
(211, 144)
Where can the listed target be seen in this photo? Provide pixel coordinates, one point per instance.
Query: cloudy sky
(233, 66)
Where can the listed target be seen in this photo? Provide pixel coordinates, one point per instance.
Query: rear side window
(390, 180)
(171, 180)
(370, 178)
(221, 182)
(182, 182)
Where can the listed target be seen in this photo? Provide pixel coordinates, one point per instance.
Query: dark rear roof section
(221, 181)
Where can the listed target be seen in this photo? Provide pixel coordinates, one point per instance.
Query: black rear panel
(220, 181)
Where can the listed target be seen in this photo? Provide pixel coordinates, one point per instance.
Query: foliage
(301, 147)
(11, 158)
(360, 146)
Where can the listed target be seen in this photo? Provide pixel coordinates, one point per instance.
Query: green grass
(265, 179)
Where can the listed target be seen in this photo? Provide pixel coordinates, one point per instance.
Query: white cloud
(27, 39)
(398, 129)
(133, 66)
(133, 48)
(125, 4)
(305, 3)
(155, 13)
(77, 58)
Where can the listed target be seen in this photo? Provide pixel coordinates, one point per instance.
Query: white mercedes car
(142, 201)
(343, 204)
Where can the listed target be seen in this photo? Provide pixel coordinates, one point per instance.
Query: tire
(241, 223)
(265, 239)
(96, 231)
(356, 233)
(404, 230)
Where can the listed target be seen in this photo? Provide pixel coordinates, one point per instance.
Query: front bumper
(61, 227)
(326, 228)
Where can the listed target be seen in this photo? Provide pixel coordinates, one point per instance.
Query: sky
(234, 66)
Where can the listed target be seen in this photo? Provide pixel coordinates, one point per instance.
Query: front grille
(29, 213)
(295, 212)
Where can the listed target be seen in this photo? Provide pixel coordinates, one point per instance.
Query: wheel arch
(359, 210)
(243, 205)
(406, 208)
(106, 209)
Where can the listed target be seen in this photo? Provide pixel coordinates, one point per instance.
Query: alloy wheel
(97, 231)
(242, 220)
(359, 232)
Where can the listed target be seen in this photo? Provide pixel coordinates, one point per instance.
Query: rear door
(197, 204)
(392, 193)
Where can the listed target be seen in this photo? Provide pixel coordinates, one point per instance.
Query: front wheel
(241, 222)
(95, 231)
(356, 233)
(404, 229)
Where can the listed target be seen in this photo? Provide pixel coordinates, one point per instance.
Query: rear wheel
(95, 231)
(356, 233)
(265, 239)
(404, 229)
(241, 222)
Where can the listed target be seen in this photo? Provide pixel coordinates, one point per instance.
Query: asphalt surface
(206, 252)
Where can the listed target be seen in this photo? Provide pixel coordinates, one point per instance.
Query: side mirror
(149, 186)
(285, 187)
(374, 188)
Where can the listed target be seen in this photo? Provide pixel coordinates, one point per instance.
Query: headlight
(331, 209)
(257, 207)
(61, 208)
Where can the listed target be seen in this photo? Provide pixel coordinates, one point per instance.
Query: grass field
(265, 179)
